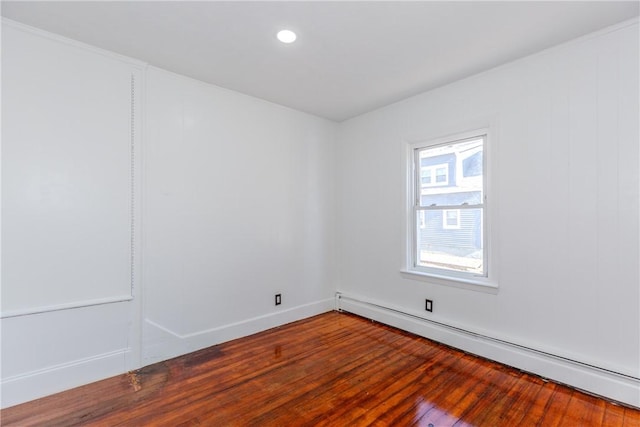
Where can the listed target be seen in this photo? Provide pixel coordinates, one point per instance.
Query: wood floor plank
(540, 405)
(556, 408)
(365, 395)
(516, 404)
(423, 400)
(613, 415)
(631, 418)
(496, 390)
(457, 401)
(303, 367)
(252, 366)
(396, 395)
(334, 369)
(309, 378)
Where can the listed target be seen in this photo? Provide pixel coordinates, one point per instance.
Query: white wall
(68, 264)
(238, 207)
(67, 157)
(564, 207)
(236, 196)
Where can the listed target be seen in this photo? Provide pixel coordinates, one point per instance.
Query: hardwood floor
(334, 369)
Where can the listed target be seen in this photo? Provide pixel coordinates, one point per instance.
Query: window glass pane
(455, 249)
(425, 174)
(452, 174)
(472, 165)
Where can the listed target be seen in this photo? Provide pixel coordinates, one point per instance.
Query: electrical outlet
(428, 305)
(278, 299)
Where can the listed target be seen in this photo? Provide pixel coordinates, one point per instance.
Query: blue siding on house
(462, 241)
(449, 158)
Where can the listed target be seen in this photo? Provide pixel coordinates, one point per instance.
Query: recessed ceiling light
(286, 36)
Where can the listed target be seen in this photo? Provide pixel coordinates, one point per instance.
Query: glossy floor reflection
(330, 370)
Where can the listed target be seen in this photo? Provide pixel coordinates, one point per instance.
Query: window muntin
(448, 227)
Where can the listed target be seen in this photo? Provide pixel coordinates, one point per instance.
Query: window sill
(479, 285)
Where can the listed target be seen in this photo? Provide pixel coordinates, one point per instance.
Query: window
(451, 219)
(448, 207)
(435, 175)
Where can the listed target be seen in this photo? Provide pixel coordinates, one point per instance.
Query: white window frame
(485, 282)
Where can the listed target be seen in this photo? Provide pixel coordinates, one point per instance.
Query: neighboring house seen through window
(451, 219)
(448, 215)
(432, 176)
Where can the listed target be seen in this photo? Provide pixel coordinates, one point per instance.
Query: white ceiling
(350, 57)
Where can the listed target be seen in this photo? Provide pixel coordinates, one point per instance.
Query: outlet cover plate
(428, 305)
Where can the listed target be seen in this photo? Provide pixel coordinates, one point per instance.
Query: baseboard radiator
(608, 383)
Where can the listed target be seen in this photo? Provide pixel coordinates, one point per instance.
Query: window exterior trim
(445, 219)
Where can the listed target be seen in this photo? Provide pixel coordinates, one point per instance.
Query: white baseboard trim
(161, 343)
(592, 379)
(43, 382)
